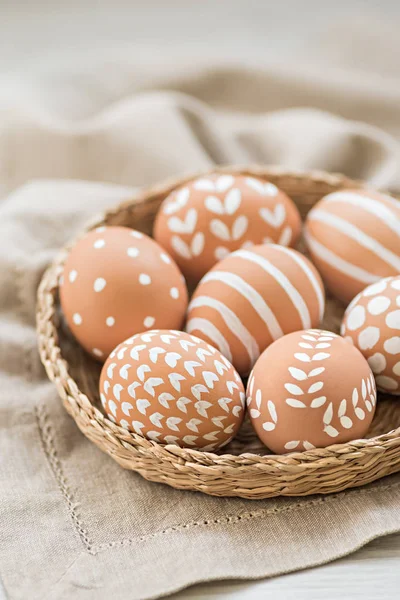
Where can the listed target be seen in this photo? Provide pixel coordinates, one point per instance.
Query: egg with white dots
(117, 282)
(310, 389)
(173, 388)
(372, 323)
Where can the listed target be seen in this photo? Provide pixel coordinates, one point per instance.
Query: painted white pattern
(180, 200)
(221, 184)
(264, 189)
(211, 332)
(374, 207)
(186, 225)
(275, 218)
(230, 205)
(248, 292)
(283, 281)
(337, 262)
(233, 323)
(99, 284)
(357, 235)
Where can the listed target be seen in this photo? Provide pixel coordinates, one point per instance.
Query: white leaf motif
(164, 399)
(177, 225)
(317, 402)
(214, 204)
(328, 415)
(197, 245)
(181, 403)
(172, 423)
(316, 387)
(192, 425)
(220, 230)
(232, 201)
(297, 374)
(295, 403)
(181, 247)
(294, 389)
(142, 405)
(201, 407)
(239, 227)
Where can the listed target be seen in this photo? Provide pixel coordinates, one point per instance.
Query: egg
(354, 240)
(203, 221)
(253, 297)
(117, 282)
(310, 389)
(173, 388)
(372, 323)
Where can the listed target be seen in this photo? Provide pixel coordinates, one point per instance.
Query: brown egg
(206, 219)
(254, 297)
(372, 323)
(310, 389)
(354, 240)
(173, 388)
(117, 282)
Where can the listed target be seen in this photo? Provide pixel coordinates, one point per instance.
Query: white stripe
(255, 299)
(357, 235)
(393, 201)
(233, 322)
(286, 285)
(374, 207)
(302, 262)
(211, 332)
(339, 263)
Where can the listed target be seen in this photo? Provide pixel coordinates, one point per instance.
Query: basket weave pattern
(243, 468)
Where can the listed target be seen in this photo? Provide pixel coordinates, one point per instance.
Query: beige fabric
(73, 523)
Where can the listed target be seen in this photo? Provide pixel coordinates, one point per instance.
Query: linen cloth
(74, 524)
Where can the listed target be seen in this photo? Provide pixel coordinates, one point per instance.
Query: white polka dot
(137, 234)
(73, 275)
(110, 321)
(97, 352)
(99, 284)
(395, 284)
(356, 318)
(377, 362)
(174, 293)
(99, 244)
(392, 345)
(368, 338)
(398, 300)
(375, 288)
(393, 319)
(386, 383)
(100, 229)
(124, 424)
(77, 319)
(144, 279)
(132, 252)
(378, 305)
(149, 321)
(396, 369)
(165, 258)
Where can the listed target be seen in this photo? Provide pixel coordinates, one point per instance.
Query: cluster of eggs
(173, 369)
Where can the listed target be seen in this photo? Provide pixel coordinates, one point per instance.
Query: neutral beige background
(64, 38)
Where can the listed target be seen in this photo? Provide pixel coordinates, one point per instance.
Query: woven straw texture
(244, 469)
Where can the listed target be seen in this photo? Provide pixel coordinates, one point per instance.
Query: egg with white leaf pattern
(310, 389)
(173, 388)
(204, 220)
(372, 323)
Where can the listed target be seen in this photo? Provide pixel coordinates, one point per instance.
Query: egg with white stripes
(310, 389)
(372, 323)
(204, 220)
(354, 240)
(253, 297)
(173, 388)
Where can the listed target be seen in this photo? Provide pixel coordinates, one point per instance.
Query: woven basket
(244, 469)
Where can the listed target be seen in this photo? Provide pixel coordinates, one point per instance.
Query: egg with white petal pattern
(310, 389)
(204, 220)
(173, 388)
(117, 282)
(372, 323)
